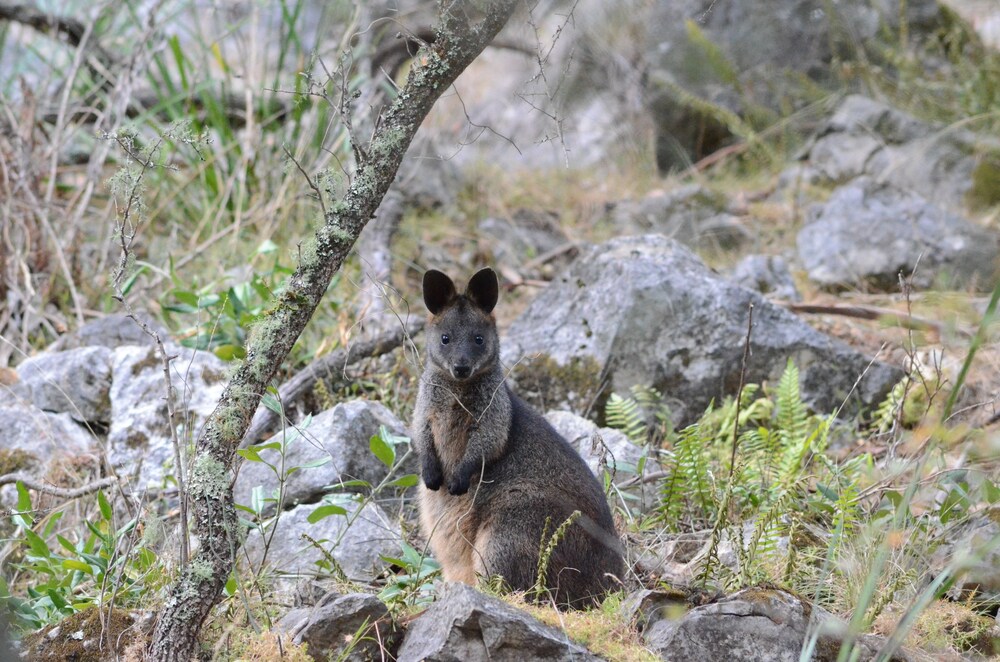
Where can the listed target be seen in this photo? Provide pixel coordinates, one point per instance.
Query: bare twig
(61, 492)
(905, 320)
(739, 391)
(126, 227)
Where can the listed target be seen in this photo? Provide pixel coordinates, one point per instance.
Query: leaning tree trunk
(458, 41)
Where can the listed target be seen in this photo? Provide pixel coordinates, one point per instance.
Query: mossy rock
(575, 385)
(86, 637)
(985, 190)
(16, 459)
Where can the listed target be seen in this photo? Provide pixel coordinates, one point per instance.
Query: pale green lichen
(201, 569)
(209, 478)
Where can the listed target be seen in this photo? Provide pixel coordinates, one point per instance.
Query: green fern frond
(792, 415)
(888, 410)
(624, 414)
(713, 56)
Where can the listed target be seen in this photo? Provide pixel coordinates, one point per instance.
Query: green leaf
(102, 503)
(409, 480)
(895, 498)
(250, 454)
(273, 404)
(130, 281)
(230, 587)
(827, 492)
(188, 299)
(73, 564)
(23, 506)
(230, 352)
(57, 600)
(257, 499)
(66, 544)
(325, 511)
(383, 451)
(991, 491)
(316, 463)
(37, 545)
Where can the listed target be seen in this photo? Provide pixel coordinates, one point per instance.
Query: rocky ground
(866, 257)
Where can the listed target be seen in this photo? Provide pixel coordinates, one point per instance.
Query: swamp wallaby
(493, 469)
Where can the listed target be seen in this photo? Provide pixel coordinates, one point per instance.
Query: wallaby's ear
(484, 289)
(439, 290)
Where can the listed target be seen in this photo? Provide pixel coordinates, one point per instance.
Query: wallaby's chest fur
(495, 474)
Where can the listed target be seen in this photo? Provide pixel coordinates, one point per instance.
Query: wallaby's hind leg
(507, 553)
(577, 567)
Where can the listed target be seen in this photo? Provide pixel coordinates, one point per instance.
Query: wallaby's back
(507, 475)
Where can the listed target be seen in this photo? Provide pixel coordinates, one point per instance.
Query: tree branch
(216, 524)
(296, 387)
(61, 492)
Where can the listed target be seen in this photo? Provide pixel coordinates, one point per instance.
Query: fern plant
(781, 481)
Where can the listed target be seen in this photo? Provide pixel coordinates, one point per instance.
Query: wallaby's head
(462, 337)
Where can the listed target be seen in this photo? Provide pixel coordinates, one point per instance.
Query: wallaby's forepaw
(433, 477)
(459, 484)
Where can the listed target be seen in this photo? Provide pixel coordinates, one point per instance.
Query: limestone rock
(111, 331)
(754, 624)
(358, 622)
(139, 440)
(691, 214)
(596, 445)
(76, 382)
(869, 137)
(464, 624)
(341, 435)
(646, 311)
(768, 274)
(867, 233)
(356, 540)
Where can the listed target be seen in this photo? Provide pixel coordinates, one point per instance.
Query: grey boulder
(139, 440)
(750, 59)
(35, 442)
(646, 311)
(43, 436)
(76, 382)
(869, 137)
(600, 448)
(691, 214)
(756, 624)
(868, 233)
(768, 274)
(463, 624)
(340, 436)
(357, 623)
(356, 540)
(111, 331)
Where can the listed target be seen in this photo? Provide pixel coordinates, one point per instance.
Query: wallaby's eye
(479, 340)
(445, 339)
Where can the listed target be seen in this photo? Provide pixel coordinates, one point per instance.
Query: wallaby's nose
(462, 371)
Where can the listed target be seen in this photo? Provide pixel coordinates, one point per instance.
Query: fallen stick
(61, 492)
(897, 317)
(296, 387)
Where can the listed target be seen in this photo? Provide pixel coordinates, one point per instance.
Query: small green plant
(547, 548)
(219, 319)
(102, 564)
(413, 582)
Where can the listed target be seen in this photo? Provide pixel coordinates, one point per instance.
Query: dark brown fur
(493, 469)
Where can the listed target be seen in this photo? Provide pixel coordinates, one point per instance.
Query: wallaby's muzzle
(461, 371)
